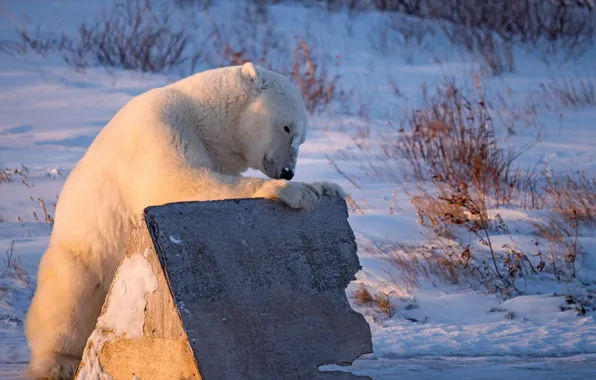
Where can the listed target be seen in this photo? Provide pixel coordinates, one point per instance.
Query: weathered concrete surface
(153, 346)
(260, 288)
(235, 290)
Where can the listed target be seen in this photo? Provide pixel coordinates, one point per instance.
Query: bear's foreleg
(205, 185)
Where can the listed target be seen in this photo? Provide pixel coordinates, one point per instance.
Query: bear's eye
(287, 129)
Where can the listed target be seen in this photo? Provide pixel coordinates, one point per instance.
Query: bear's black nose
(286, 174)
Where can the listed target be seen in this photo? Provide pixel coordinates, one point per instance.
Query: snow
(91, 368)
(579, 367)
(49, 114)
(175, 239)
(463, 324)
(125, 312)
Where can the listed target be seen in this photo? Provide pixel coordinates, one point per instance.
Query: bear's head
(273, 124)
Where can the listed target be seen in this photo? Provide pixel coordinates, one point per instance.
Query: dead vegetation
(12, 266)
(380, 302)
(571, 205)
(144, 35)
(573, 196)
(438, 260)
(449, 146)
(362, 296)
(571, 93)
(314, 73)
(308, 69)
(451, 150)
(311, 74)
(490, 29)
(452, 141)
(8, 174)
(230, 45)
(383, 304)
(132, 35)
(47, 216)
(151, 37)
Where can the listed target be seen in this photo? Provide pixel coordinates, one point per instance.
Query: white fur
(186, 141)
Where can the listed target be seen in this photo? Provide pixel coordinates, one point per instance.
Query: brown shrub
(383, 305)
(452, 140)
(571, 205)
(311, 74)
(362, 296)
(132, 35)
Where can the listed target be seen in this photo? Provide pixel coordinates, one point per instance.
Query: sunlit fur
(187, 141)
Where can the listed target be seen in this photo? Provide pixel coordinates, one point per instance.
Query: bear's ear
(249, 71)
(251, 77)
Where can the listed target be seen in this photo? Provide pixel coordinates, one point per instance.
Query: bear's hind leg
(63, 314)
(53, 366)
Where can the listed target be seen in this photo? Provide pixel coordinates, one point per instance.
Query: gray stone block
(257, 288)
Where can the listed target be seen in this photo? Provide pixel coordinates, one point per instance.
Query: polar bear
(189, 140)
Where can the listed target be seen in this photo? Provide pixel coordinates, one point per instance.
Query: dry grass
(397, 32)
(202, 4)
(383, 305)
(353, 180)
(47, 216)
(438, 261)
(450, 148)
(571, 205)
(145, 36)
(311, 74)
(573, 197)
(7, 174)
(452, 141)
(421, 263)
(308, 69)
(489, 29)
(431, 212)
(362, 296)
(462, 171)
(496, 53)
(380, 302)
(132, 35)
(357, 206)
(569, 93)
(564, 253)
(13, 267)
(229, 42)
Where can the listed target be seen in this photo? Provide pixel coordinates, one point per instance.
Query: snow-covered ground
(49, 114)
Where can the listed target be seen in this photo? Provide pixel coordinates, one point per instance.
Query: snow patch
(175, 239)
(125, 314)
(91, 369)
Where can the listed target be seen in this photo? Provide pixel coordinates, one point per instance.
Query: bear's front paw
(298, 195)
(329, 188)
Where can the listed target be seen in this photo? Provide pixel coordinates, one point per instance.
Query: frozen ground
(49, 114)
